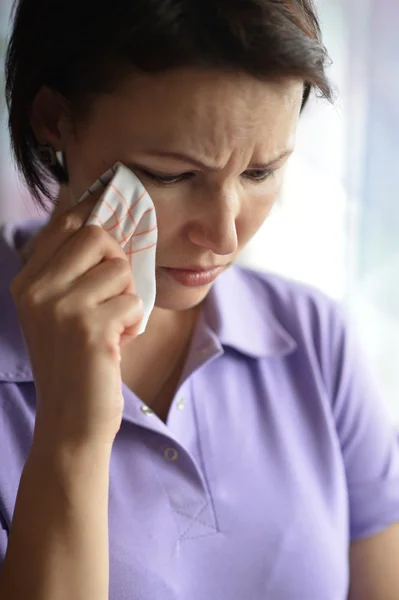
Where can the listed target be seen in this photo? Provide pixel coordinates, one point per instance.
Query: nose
(215, 227)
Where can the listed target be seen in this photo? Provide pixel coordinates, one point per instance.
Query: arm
(58, 545)
(76, 305)
(374, 567)
(370, 451)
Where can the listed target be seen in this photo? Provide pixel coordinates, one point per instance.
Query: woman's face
(210, 147)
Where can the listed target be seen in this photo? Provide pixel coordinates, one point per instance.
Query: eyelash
(175, 179)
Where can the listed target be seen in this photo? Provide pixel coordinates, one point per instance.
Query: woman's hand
(76, 304)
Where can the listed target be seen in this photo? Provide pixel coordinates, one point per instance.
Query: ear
(50, 119)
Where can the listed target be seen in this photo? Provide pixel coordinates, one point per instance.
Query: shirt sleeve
(3, 542)
(369, 442)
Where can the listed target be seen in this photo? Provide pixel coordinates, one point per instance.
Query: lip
(194, 276)
(198, 269)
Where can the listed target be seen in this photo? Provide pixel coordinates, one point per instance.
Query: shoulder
(17, 393)
(300, 308)
(15, 233)
(13, 237)
(17, 390)
(14, 361)
(279, 287)
(266, 315)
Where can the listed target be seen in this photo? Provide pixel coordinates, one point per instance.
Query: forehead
(194, 105)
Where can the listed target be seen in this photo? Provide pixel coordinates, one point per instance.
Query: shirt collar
(238, 311)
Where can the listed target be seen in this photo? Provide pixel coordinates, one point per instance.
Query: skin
(232, 122)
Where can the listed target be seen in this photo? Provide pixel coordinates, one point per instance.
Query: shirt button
(171, 454)
(146, 409)
(180, 403)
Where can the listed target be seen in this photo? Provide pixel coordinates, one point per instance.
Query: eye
(258, 175)
(166, 179)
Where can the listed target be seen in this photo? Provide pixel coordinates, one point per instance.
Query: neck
(63, 202)
(166, 324)
(162, 350)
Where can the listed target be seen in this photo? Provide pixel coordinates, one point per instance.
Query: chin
(182, 299)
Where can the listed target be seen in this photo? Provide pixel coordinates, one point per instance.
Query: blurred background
(336, 225)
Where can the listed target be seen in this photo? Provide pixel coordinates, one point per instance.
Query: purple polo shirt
(276, 452)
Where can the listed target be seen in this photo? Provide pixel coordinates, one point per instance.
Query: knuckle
(122, 265)
(69, 223)
(97, 236)
(130, 308)
(135, 303)
(94, 233)
(33, 296)
(138, 301)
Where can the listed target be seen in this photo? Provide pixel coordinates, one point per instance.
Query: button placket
(187, 493)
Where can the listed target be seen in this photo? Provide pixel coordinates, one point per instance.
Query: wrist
(74, 435)
(72, 465)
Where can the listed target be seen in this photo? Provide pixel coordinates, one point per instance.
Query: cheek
(166, 220)
(172, 207)
(176, 207)
(87, 161)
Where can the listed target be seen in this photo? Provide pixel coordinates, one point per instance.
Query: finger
(105, 281)
(123, 315)
(89, 247)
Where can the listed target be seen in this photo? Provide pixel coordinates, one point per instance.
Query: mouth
(194, 276)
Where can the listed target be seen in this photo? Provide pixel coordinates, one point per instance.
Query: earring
(47, 155)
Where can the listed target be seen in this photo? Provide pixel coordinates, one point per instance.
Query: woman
(248, 455)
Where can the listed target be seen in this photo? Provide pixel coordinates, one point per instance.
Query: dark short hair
(77, 48)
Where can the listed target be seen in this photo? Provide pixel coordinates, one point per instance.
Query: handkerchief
(127, 212)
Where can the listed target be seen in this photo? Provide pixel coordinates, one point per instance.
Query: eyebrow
(202, 165)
